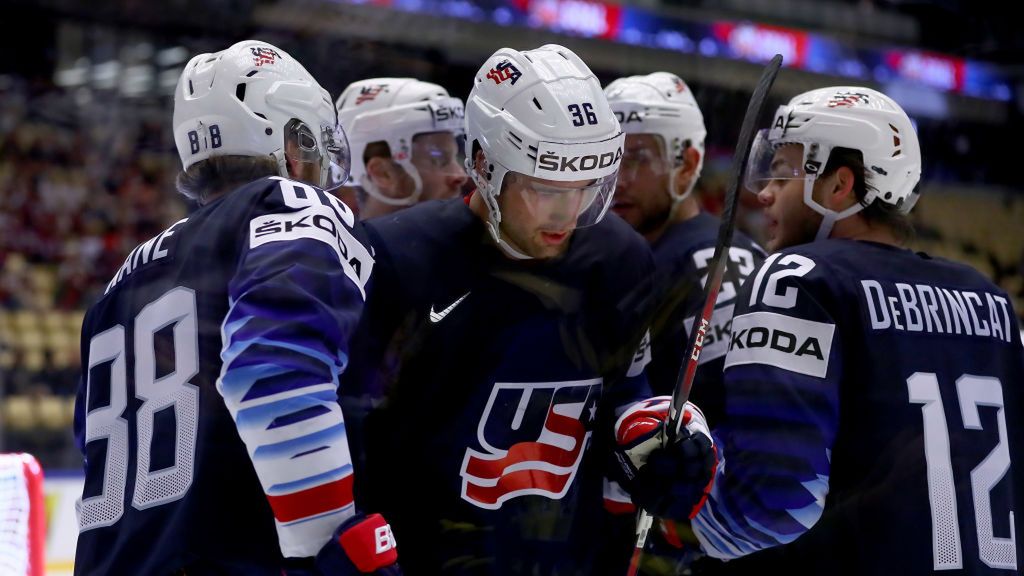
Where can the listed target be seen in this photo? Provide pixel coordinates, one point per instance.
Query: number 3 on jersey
(172, 391)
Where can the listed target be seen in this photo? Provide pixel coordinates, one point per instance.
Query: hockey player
(661, 163)
(517, 314)
(873, 393)
(406, 139)
(208, 414)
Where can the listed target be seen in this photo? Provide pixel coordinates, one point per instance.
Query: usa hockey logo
(262, 55)
(369, 93)
(504, 71)
(533, 437)
(847, 99)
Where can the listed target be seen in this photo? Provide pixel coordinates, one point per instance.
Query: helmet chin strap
(678, 198)
(282, 163)
(486, 191)
(829, 217)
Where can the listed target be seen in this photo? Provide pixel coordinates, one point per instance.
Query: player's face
(788, 220)
(538, 216)
(436, 157)
(641, 194)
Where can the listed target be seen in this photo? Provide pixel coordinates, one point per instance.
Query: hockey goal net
(22, 516)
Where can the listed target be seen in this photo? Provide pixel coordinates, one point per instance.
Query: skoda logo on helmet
(554, 162)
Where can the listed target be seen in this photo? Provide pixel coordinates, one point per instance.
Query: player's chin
(627, 211)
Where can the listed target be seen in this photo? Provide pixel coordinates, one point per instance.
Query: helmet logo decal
(554, 162)
(442, 113)
(504, 71)
(368, 93)
(680, 85)
(263, 55)
(847, 99)
(633, 116)
(782, 122)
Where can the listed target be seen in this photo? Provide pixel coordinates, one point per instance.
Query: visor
(764, 165)
(329, 152)
(644, 161)
(562, 206)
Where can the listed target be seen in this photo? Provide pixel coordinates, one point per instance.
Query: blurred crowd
(81, 183)
(84, 179)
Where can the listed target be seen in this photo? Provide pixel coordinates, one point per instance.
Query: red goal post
(22, 516)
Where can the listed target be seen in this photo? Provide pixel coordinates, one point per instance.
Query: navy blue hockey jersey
(683, 255)
(490, 418)
(208, 415)
(874, 418)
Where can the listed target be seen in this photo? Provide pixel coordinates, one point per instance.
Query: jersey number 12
(972, 392)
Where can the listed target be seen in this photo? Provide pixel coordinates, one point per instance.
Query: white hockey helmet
(663, 105)
(844, 117)
(542, 113)
(247, 100)
(395, 110)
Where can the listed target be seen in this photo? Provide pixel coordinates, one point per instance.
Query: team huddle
(406, 334)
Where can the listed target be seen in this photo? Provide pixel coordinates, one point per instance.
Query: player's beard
(654, 220)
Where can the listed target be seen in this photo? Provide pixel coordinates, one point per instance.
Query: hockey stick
(684, 382)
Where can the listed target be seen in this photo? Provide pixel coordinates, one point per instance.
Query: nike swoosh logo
(436, 317)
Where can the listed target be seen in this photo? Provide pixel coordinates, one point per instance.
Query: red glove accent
(370, 545)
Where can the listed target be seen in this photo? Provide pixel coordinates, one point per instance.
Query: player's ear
(381, 173)
(687, 171)
(842, 193)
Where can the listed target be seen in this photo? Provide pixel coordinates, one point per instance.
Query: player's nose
(766, 197)
(456, 179)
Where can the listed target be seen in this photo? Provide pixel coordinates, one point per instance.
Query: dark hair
(207, 179)
(878, 212)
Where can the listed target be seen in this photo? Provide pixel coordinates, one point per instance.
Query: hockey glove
(361, 545)
(670, 481)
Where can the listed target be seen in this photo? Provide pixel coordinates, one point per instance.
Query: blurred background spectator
(87, 161)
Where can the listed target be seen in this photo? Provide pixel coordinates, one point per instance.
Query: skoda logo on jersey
(532, 439)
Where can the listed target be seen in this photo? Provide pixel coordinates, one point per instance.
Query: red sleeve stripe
(312, 501)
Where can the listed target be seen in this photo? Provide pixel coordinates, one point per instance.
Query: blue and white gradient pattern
(292, 309)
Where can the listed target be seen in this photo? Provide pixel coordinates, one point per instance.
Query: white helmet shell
(861, 119)
(237, 102)
(394, 110)
(541, 113)
(662, 104)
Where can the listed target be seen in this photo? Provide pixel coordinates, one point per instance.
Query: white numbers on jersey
(771, 296)
(972, 391)
(152, 488)
(744, 261)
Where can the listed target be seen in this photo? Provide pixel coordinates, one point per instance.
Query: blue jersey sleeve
(782, 373)
(294, 301)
